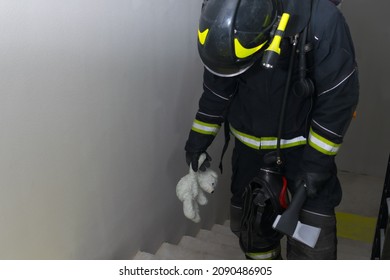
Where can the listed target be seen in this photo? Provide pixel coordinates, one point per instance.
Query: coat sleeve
(213, 106)
(335, 75)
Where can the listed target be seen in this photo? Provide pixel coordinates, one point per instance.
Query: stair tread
(169, 251)
(216, 244)
(144, 256)
(223, 250)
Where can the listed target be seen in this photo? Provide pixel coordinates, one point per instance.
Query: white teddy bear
(190, 190)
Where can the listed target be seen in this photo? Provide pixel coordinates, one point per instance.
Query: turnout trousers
(318, 212)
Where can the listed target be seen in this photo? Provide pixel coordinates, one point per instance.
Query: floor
(357, 215)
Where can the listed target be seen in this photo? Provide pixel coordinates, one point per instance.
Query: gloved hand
(314, 182)
(193, 159)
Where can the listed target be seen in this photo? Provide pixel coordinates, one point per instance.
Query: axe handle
(289, 219)
(297, 202)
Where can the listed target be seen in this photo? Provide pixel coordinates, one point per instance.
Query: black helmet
(233, 33)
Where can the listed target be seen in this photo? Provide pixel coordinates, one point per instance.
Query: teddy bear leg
(202, 199)
(196, 219)
(188, 209)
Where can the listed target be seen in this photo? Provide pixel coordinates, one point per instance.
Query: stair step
(215, 237)
(222, 229)
(225, 252)
(169, 251)
(218, 244)
(144, 256)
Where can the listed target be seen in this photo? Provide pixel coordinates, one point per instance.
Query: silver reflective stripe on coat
(205, 128)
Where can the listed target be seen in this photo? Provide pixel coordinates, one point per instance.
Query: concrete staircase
(219, 243)
(356, 228)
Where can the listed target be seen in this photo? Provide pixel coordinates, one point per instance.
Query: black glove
(314, 182)
(193, 159)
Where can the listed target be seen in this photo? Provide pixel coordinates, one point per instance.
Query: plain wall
(366, 147)
(96, 101)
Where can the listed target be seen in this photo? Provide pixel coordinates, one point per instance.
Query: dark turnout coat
(251, 102)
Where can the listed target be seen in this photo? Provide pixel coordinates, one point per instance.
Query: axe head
(289, 224)
(303, 233)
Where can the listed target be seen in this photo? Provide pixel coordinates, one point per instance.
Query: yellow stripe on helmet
(242, 52)
(202, 36)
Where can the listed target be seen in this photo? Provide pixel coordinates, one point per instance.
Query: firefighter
(315, 76)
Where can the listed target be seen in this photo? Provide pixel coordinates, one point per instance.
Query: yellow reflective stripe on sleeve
(322, 144)
(205, 128)
(267, 143)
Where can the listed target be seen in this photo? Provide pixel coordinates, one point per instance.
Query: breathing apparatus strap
(302, 55)
(279, 161)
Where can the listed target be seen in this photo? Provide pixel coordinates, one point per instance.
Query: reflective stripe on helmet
(242, 52)
(202, 36)
(205, 128)
(265, 143)
(322, 144)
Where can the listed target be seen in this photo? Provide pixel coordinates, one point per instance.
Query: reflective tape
(270, 255)
(205, 128)
(322, 144)
(265, 143)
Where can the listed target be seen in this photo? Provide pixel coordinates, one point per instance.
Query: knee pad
(326, 247)
(263, 200)
(272, 251)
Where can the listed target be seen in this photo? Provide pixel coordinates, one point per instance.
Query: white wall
(96, 100)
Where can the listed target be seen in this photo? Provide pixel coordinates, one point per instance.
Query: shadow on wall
(365, 148)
